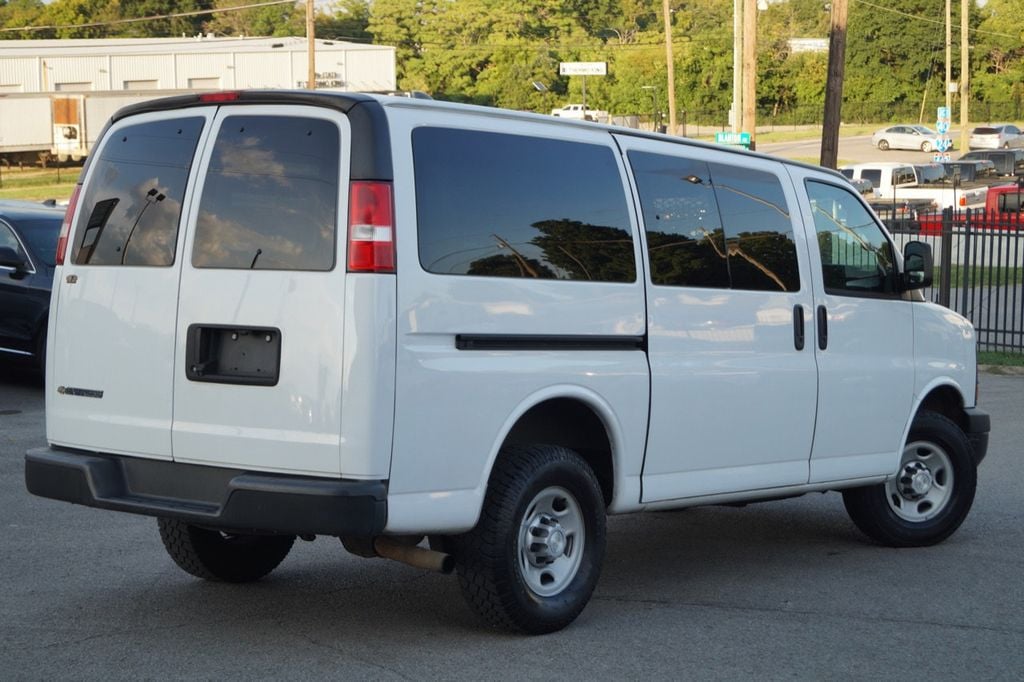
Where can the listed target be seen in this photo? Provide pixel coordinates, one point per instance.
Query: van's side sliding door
(733, 375)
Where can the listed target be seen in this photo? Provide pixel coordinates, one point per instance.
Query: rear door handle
(798, 326)
(822, 327)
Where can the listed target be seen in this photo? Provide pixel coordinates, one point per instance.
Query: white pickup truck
(580, 112)
(899, 181)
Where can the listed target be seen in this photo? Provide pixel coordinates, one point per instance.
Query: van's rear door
(258, 377)
(112, 339)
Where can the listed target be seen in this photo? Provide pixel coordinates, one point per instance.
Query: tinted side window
(872, 175)
(856, 256)
(758, 229)
(131, 208)
(515, 206)
(270, 198)
(9, 241)
(685, 240)
(902, 176)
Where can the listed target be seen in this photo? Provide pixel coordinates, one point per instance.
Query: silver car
(905, 137)
(1002, 136)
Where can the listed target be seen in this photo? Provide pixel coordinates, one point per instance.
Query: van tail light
(65, 227)
(963, 201)
(371, 229)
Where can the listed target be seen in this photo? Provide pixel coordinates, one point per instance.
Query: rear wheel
(930, 495)
(535, 555)
(214, 555)
(883, 145)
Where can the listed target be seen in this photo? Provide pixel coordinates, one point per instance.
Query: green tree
(275, 20)
(18, 13)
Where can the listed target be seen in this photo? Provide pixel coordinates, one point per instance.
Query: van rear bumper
(229, 499)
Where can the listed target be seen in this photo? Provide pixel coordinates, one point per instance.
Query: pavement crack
(673, 603)
(349, 655)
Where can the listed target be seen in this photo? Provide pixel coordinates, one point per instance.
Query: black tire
(212, 555)
(490, 558)
(926, 147)
(873, 508)
(883, 145)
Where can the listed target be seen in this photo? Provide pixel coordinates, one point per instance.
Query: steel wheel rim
(551, 542)
(923, 487)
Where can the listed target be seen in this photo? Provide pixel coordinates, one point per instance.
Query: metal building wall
(20, 71)
(262, 70)
(216, 65)
(141, 67)
(65, 71)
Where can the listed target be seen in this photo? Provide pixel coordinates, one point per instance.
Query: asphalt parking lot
(779, 590)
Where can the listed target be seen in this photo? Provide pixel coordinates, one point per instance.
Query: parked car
(905, 137)
(1003, 136)
(862, 185)
(28, 243)
(399, 322)
(1006, 161)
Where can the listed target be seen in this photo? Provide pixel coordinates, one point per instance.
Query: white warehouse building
(56, 95)
(200, 63)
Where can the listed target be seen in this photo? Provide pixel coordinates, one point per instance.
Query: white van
(285, 314)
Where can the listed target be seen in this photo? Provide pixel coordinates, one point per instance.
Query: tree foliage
(493, 51)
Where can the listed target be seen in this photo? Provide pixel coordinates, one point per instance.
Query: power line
(928, 19)
(176, 15)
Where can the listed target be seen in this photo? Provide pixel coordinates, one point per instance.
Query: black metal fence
(979, 263)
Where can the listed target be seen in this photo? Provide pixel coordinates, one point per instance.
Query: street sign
(736, 139)
(942, 142)
(583, 68)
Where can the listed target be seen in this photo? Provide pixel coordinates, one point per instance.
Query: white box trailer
(47, 127)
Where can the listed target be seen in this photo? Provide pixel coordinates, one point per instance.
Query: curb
(1005, 370)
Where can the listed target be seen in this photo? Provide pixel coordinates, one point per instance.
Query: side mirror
(9, 258)
(918, 266)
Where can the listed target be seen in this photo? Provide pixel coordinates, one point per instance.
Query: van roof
(346, 101)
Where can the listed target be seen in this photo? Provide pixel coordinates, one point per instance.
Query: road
(780, 590)
(853, 149)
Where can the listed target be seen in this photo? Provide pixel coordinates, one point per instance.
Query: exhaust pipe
(417, 557)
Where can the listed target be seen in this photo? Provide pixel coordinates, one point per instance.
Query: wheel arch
(943, 396)
(572, 417)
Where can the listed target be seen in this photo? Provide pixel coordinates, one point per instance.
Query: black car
(28, 245)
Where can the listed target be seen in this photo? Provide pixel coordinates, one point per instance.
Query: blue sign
(943, 113)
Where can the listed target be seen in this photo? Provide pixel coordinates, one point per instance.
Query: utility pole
(949, 57)
(834, 85)
(965, 73)
(737, 65)
(670, 61)
(311, 46)
(750, 70)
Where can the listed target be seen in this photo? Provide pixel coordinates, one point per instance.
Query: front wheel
(883, 145)
(926, 146)
(930, 495)
(214, 555)
(534, 557)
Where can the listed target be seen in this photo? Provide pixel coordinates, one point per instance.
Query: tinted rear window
(270, 198)
(132, 204)
(984, 131)
(500, 205)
